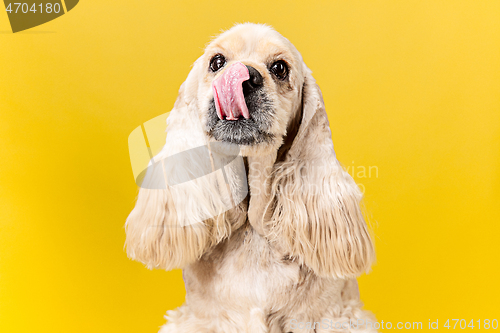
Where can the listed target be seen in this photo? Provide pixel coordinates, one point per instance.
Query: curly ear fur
(172, 226)
(314, 212)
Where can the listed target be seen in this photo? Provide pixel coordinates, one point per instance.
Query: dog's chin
(247, 133)
(243, 132)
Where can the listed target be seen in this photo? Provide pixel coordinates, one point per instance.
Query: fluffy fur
(288, 251)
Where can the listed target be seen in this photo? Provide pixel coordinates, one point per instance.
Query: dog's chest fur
(246, 279)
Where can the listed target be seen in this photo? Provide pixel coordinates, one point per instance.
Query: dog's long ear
(178, 216)
(314, 213)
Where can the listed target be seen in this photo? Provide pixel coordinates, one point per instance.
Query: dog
(275, 242)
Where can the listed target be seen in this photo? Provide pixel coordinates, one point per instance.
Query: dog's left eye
(279, 69)
(217, 62)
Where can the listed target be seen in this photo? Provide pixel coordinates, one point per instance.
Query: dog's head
(247, 87)
(251, 89)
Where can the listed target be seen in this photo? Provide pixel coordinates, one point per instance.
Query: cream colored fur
(292, 249)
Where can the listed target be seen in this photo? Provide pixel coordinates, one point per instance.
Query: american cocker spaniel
(248, 198)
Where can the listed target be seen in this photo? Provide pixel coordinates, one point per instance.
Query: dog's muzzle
(230, 89)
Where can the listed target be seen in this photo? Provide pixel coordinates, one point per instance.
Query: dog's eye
(217, 62)
(279, 69)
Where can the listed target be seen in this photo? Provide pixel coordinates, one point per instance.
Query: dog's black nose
(254, 82)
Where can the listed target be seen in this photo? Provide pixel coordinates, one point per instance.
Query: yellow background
(411, 87)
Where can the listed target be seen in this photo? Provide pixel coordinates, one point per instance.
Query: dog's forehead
(251, 41)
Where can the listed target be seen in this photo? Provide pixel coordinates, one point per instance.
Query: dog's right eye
(217, 62)
(279, 69)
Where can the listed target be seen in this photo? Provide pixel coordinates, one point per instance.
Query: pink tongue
(228, 92)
